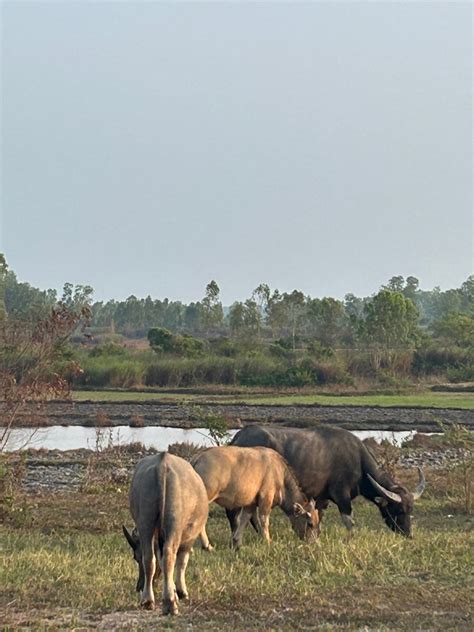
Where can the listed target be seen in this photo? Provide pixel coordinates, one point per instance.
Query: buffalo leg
(321, 506)
(244, 517)
(345, 509)
(181, 564)
(233, 518)
(205, 544)
(149, 568)
(170, 600)
(264, 509)
(255, 521)
(265, 522)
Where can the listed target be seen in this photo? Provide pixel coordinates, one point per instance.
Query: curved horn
(385, 492)
(420, 488)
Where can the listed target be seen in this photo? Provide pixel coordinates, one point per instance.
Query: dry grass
(66, 564)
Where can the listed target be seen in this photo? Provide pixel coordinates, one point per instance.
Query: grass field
(428, 398)
(66, 564)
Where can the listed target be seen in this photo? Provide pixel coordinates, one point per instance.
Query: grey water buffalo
(332, 464)
(251, 479)
(168, 503)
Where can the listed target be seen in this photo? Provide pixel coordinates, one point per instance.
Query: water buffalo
(333, 464)
(251, 478)
(168, 503)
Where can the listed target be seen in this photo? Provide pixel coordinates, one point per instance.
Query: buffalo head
(305, 520)
(396, 503)
(134, 541)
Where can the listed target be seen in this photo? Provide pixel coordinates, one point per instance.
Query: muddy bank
(72, 470)
(181, 415)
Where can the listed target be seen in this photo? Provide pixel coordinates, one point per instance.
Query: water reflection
(159, 437)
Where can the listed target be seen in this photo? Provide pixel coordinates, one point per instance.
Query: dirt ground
(180, 415)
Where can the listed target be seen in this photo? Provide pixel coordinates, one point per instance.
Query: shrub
(111, 371)
(434, 360)
(464, 374)
(462, 468)
(325, 372)
(107, 349)
(185, 449)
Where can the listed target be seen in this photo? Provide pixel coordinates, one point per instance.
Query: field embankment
(183, 414)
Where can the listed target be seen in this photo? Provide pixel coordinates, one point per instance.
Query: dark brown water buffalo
(168, 502)
(333, 464)
(251, 479)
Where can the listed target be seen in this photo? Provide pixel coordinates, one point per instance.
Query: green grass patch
(426, 399)
(431, 400)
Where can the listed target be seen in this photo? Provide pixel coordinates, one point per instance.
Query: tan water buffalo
(334, 465)
(168, 502)
(255, 478)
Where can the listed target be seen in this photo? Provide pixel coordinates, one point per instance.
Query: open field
(193, 414)
(65, 564)
(427, 399)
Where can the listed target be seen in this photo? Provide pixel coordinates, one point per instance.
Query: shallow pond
(159, 437)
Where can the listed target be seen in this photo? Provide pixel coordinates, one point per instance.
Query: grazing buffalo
(333, 464)
(168, 503)
(255, 478)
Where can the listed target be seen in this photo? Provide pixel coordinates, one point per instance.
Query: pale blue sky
(149, 147)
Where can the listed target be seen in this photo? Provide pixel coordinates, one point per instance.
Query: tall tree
(294, 306)
(327, 318)
(390, 321)
(3, 274)
(213, 314)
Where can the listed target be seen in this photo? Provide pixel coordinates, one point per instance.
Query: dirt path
(181, 415)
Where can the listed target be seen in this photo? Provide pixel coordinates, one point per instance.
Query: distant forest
(266, 313)
(272, 338)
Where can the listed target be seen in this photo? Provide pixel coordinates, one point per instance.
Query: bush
(259, 370)
(435, 360)
(108, 349)
(465, 374)
(191, 371)
(326, 372)
(110, 371)
(185, 449)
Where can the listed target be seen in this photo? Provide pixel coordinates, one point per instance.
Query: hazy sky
(149, 147)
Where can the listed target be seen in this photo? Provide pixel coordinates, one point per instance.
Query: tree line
(396, 313)
(272, 338)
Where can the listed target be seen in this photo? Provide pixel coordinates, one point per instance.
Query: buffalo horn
(420, 488)
(385, 492)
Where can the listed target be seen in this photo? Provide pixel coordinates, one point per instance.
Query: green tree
(276, 314)
(327, 318)
(294, 306)
(390, 320)
(261, 297)
(410, 290)
(192, 317)
(456, 329)
(160, 340)
(213, 314)
(236, 319)
(395, 284)
(3, 274)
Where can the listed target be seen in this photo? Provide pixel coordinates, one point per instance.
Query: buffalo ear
(128, 537)
(298, 509)
(381, 502)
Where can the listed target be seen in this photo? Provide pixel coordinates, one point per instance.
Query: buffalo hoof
(148, 605)
(182, 596)
(170, 607)
(208, 548)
